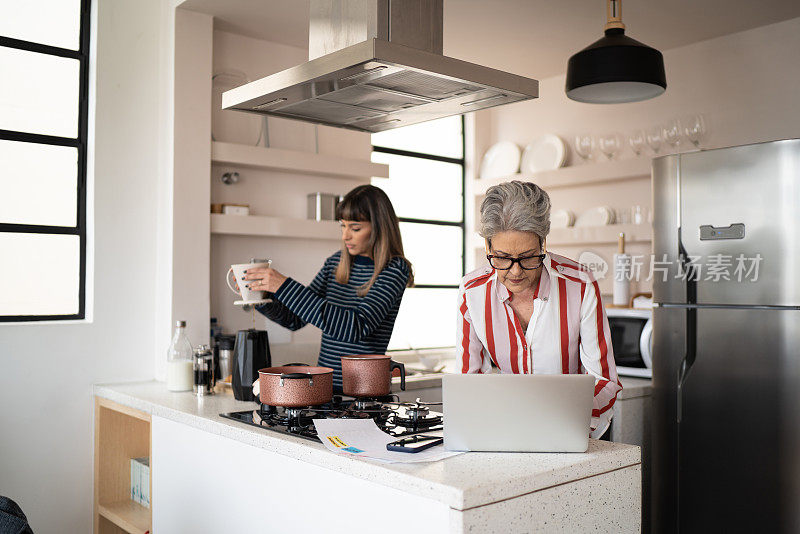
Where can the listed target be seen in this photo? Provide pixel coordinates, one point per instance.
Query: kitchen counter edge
(461, 482)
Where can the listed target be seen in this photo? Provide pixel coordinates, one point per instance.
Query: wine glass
(672, 133)
(654, 139)
(694, 128)
(636, 140)
(584, 146)
(639, 214)
(611, 145)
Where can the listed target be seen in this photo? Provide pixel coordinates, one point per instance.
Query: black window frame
(80, 143)
(462, 224)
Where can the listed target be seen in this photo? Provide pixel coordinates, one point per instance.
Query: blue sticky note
(352, 449)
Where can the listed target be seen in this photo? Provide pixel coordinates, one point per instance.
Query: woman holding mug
(355, 297)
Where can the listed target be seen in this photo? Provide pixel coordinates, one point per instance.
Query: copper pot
(295, 385)
(370, 375)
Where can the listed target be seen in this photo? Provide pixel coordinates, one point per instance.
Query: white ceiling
(528, 37)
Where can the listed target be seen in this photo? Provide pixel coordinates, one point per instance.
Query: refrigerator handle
(690, 355)
(690, 271)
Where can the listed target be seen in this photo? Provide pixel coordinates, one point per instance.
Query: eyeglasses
(504, 263)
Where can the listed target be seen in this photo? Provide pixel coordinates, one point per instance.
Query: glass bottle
(180, 372)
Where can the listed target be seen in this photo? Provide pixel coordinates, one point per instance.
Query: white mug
(248, 295)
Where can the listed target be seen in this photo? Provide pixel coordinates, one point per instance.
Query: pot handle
(298, 375)
(402, 368)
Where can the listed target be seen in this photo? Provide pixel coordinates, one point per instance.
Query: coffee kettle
(250, 353)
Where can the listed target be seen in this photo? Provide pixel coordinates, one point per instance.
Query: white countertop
(461, 482)
(635, 387)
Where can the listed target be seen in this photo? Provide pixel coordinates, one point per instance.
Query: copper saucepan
(370, 375)
(295, 385)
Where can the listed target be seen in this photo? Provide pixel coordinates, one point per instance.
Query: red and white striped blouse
(568, 331)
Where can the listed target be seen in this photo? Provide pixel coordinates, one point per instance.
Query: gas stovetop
(393, 417)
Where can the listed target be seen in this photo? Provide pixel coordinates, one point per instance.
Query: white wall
(745, 83)
(191, 164)
(273, 193)
(46, 438)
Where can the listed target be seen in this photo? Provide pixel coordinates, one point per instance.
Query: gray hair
(520, 206)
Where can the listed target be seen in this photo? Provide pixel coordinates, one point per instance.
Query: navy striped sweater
(350, 324)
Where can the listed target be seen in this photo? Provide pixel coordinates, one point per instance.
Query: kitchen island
(211, 474)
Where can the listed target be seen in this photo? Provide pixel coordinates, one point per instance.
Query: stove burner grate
(390, 415)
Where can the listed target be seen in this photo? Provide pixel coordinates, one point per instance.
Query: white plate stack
(502, 159)
(545, 153)
(561, 219)
(599, 216)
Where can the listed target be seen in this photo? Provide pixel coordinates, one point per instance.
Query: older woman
(529, 310)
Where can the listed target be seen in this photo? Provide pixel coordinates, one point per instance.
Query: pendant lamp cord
(614, 14)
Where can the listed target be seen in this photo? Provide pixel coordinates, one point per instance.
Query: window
(426, 186)
(44, 58)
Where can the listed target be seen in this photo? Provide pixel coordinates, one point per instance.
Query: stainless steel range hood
(375, 65)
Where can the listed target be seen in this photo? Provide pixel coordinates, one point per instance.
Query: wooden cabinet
(121, 433)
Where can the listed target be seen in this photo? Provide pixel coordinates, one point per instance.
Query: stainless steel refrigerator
(726, 352)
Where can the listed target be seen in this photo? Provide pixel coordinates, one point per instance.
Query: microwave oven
(632, 340)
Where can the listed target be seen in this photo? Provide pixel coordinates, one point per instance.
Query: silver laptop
(518, 413)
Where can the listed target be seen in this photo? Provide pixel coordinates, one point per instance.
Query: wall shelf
(600, 235)
(127, 515)
(579, 175)
(294, 161)
(593, 235)
(257, 225)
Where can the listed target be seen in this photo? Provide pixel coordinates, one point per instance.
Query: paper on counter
(363, 438)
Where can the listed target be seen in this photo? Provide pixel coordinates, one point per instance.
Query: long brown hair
(367, 203)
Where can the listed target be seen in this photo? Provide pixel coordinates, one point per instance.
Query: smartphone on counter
(415, 443)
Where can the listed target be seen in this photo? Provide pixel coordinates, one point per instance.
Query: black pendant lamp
(616, 69)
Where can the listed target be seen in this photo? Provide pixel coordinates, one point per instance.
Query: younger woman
(355, 296)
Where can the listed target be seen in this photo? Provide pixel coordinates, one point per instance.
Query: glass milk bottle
(180, 371)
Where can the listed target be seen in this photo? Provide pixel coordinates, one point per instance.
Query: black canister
(251, 353)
